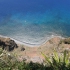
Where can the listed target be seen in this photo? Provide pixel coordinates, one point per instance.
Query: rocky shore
(27, 53)
(7, 44)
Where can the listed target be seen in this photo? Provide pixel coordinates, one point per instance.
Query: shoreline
(30, 44)
(33, 52)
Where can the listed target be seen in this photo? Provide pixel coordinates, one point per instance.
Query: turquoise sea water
(34, 21)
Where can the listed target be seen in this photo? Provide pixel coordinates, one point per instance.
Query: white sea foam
(32, 44)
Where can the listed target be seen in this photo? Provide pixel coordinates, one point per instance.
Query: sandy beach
(33, 52)
(30, 44)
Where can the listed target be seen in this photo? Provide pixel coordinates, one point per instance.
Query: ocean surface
(34, 21)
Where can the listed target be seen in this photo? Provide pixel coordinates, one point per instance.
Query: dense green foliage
(9, 62)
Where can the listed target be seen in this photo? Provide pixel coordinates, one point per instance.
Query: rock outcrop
(7, 44)
(65, 41)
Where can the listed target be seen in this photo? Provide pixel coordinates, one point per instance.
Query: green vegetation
(56, 62)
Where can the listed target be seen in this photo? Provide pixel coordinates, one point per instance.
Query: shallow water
(34, 21)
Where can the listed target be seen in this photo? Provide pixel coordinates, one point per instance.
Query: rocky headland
(7, 44)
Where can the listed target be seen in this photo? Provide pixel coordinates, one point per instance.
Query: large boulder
(7, 44)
